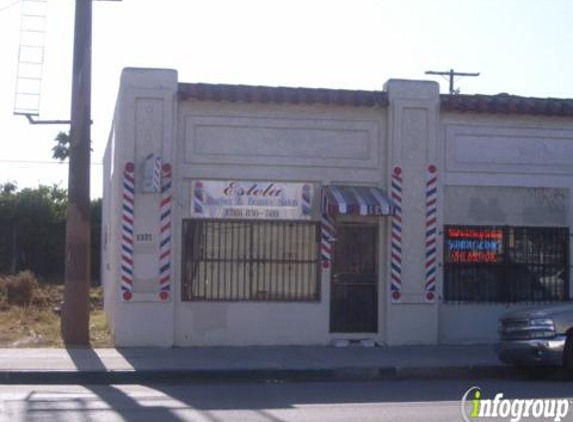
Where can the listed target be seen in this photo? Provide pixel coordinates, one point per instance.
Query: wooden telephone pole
(451, 75)
(75, 311)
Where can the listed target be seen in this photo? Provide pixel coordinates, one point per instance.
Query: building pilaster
(413, 163)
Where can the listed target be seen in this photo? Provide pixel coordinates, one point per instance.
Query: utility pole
(451, 74)
(75, 311)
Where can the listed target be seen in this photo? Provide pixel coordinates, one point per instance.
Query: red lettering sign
(473, 245)
(473, 256)
(454, 233)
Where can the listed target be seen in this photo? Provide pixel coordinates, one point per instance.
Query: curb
(255, 375)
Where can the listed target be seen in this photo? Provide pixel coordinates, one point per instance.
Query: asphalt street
(402, 400)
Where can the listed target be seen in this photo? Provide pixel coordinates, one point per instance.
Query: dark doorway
(354, 284)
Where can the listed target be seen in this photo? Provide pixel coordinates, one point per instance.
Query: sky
(521, 47)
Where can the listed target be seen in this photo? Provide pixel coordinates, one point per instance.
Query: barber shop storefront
(270, 242)
(250, 241)
(237, 215)
(352, 247)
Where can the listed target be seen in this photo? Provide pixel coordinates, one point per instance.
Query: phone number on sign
(250, 213)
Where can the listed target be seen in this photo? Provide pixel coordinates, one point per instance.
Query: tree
(62, 149)
(32, 229)
(8, 188)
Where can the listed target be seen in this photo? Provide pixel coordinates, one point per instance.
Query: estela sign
(251, 200)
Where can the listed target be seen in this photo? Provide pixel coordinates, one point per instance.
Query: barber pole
(327, 234)
(431, 233)
(127, 219)
(165, 233)
(198, 198)
(306, 192)
(396, 248)
(157, 174)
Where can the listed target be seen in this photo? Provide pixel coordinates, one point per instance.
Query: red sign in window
(473, 245)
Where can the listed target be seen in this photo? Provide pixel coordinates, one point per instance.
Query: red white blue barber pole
(431, 233)
(165, 232)
(306, 193)
(198, 198)
(396, 241)
(127, 236)
(157, 174)
(327, 233)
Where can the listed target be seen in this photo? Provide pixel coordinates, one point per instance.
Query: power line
(40, 162)
(450, 75)
(9, 5)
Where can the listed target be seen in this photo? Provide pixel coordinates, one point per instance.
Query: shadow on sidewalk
(130, 409)
(175, 402)
(245, 390)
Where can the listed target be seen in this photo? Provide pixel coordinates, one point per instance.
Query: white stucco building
(243, 215)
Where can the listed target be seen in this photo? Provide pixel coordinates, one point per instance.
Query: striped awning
(356, 200)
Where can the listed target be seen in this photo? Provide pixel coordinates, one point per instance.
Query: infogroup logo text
(474, 407)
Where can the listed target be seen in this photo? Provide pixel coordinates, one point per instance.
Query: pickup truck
(537, 337)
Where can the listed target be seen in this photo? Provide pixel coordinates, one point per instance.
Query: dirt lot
(38, 324)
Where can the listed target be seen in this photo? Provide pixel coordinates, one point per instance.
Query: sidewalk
(141, 365)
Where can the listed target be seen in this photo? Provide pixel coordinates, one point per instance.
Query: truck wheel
(568, 353)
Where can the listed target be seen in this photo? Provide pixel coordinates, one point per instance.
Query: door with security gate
(354, 283)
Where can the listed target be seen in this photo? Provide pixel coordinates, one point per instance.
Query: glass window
(506, 264)
(250, 260)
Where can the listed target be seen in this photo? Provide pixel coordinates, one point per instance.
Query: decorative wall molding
(281, 142)
(503, 149)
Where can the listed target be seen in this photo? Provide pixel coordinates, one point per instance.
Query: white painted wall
(320, 144)
(144, 123)
(513, 170)
(472, 323)
(106, 276)
(413, 144)
(510, 160)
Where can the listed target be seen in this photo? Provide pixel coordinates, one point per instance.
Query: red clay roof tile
(493, 104)
(507, 104)
(281, 95)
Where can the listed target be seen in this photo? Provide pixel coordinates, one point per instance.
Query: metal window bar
(239, 260)
(531, 265)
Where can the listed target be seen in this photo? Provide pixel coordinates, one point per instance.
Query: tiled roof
(281, 95)
(507, 104)
(491, 104)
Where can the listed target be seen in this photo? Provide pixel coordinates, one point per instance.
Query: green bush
(33, 231)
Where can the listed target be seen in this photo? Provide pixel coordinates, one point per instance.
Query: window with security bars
(250, 260)
(506, 264)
